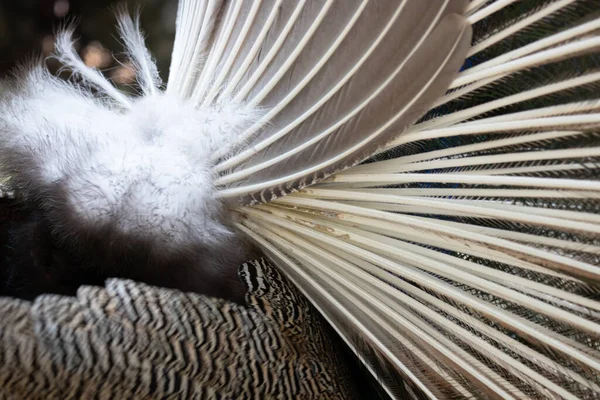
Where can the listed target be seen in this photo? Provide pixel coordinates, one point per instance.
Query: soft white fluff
(131, 34)
(140, 164)
(65, 53)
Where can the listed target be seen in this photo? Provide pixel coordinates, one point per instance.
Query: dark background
(27, 28)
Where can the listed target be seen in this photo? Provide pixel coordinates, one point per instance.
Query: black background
(25, 24)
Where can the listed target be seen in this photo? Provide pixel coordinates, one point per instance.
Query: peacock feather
(423, 175)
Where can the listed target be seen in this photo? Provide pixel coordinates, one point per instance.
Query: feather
(145, 67)
(481, 219)
(127, 330)
(442, 220)
(134, 184)
(65, 53)
(336, 110)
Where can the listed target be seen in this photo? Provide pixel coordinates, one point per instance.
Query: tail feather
(476, 230)
(302, 82)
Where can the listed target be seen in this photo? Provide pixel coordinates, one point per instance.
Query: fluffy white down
(146, 168)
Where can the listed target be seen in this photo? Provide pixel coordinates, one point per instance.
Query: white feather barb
(66, 54)
(144, 65)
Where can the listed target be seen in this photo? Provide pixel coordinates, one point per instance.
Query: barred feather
(147, 342)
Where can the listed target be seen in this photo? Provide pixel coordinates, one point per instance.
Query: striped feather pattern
(130, 340)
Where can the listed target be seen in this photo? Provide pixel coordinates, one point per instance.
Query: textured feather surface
(462, 258)
(123, 184)
(466, 251)
(334, 78)
(102, 164)
(137, 341)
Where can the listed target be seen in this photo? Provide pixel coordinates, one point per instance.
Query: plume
(424, 173)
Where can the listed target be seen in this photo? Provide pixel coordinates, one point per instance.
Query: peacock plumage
(423, 175)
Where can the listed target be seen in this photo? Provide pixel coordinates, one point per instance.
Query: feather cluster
(127, 175)
(460, 260)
